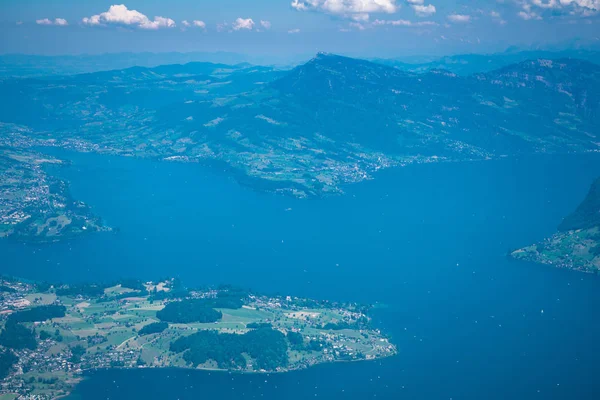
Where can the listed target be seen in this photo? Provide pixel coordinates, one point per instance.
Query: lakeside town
(35, 205)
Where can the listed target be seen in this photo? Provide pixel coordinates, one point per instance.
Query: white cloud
(403, 22)
(265, 24)
(46, 21)
(292, 31)
(592, 4)
(195, 23)
(346, 8)
(357, 25)
(243, 23)
(19, 22)
(424, 10)
(570, 7)
(121, 15)
(527, 15)
(162, 22)
(589, 4)
(361, 17)
(379, 22)
(459, 18)
(497, 17)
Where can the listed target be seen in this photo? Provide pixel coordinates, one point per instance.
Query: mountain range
(26, 65)
(310, 130)
(467, 64)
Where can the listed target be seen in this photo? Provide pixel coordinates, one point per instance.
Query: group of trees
(7, 360)
(337, 326)
(96, 339)
(76, 353)
(155, 327)
(297, 343)
(189, 310)
(259, 325)
(6, 289)
(17, 336)
(267, 347)
(134, 284)
(295, 339)
(40, 313)
(201, 310)
(45, 335)
(230, 297)
(230, 302)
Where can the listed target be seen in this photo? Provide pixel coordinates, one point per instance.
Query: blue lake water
(428, 241)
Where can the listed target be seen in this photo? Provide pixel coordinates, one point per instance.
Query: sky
(376, 28)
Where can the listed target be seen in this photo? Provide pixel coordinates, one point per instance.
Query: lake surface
(428, 242)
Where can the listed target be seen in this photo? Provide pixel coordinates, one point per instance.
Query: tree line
(267, 347)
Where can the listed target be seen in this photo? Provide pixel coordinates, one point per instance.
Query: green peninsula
(576, 245)
(51, 334)
(35, 205)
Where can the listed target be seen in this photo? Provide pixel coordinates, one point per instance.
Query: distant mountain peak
(328, 72)
(331, 57)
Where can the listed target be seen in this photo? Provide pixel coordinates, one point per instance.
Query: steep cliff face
(587, 214)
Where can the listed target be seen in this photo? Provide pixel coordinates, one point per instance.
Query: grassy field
(40, 383)
(43, 298)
